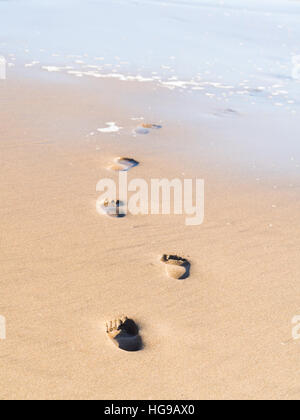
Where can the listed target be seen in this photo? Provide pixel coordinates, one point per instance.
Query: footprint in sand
(146, 128)
(176, 267)
(123, 164)
(125, 334)
(112, 208)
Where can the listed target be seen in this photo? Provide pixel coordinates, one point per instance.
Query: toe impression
(176, 267)
(125, 334)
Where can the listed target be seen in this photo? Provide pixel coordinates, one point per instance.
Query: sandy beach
(225, 331)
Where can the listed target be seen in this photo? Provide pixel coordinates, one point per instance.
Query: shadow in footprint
(123, 164)
(145, 128)
(125, 334)
(176, 267)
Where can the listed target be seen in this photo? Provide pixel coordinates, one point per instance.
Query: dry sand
(224, 332)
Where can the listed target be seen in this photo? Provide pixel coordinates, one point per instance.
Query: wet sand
(224, 332)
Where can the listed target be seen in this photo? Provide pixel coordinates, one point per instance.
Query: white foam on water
(51, 69)
(112, 128)
(32, 64)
